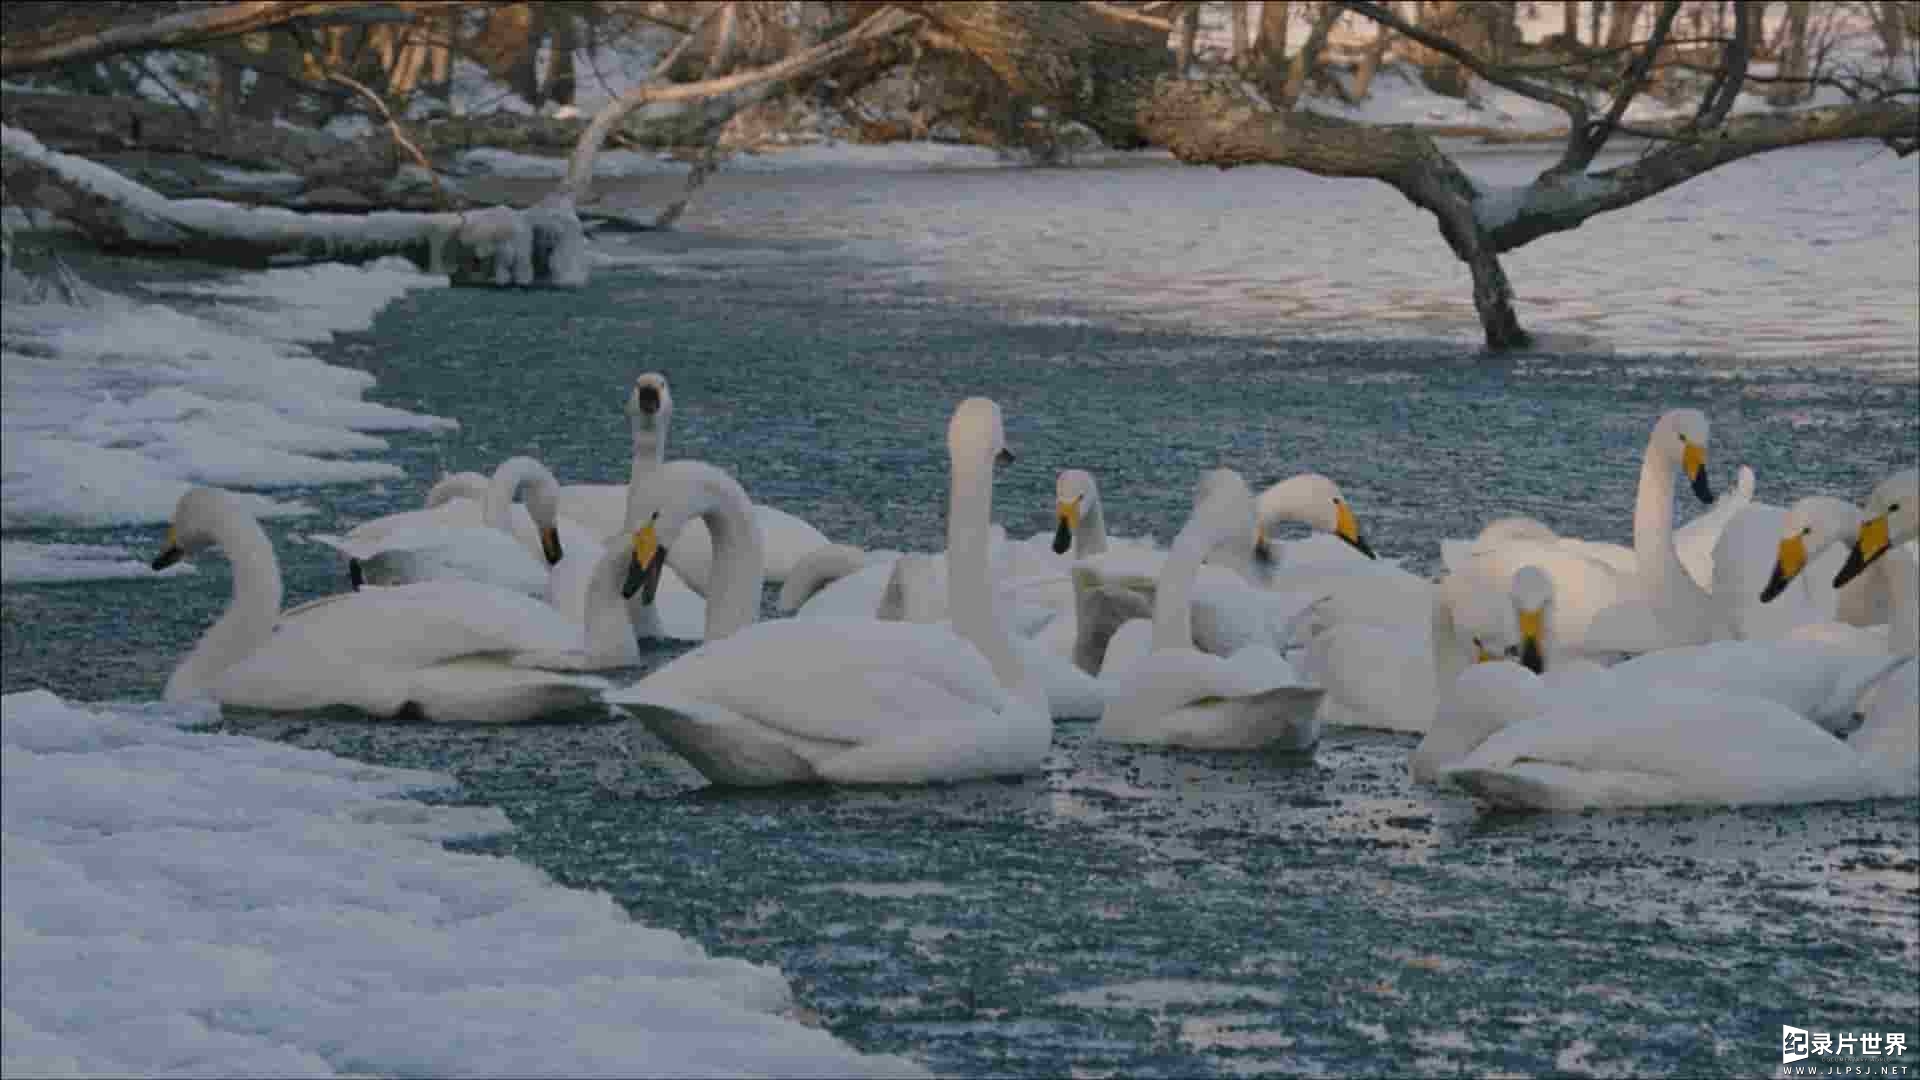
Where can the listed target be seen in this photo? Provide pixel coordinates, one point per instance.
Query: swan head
(976, 433)
(679, 492)
(1682, 436)
(521, 473)
(191, 530)
(1811, 525)
(1313, 500)
(650, 401)
(1075, 497)
(1532, 593)
(1892, 517)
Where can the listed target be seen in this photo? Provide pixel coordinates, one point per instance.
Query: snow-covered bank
(182, 903)
(114, 405)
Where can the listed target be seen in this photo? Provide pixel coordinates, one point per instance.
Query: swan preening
(1769, 651)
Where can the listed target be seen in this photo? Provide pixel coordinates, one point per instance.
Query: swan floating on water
(1609, 599)
(449, 651)
(851, 701)
(1177, 695)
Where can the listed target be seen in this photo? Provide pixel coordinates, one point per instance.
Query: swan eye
(1807, 531)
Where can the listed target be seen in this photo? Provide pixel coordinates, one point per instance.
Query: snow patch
(191, 903)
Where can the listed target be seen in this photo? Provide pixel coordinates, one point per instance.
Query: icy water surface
(1145, 913)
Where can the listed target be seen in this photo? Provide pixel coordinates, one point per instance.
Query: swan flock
(1759, 654)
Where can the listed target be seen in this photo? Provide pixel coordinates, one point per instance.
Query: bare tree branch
(168, 31)
(1586, 142)
(1113, 11)
(399, 135)
(1574, 107)
(890, 22)
(1727, 83)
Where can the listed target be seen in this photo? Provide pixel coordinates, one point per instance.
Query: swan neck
(739, 560)
(1173, 599)
(496, 510)
(1449, 655)
(970, 591)
(649, 443)
(1091, 540)
(610, 633)
(251, 613)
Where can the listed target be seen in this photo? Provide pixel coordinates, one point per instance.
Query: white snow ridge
(193, 904)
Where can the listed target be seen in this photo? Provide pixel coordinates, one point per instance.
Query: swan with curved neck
(1601, 605)
(509, 550)
(844, 700)
(1176, 695)
(1878, 578)
(451, 650)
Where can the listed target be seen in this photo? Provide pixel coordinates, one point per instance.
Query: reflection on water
(1134, 911)
(1783, 257)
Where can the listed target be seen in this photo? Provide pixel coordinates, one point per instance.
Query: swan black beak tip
(356, 574)
(1856, 564)
(167, 558)
(1360, 544)
(1702, 488)
(1062, 539)
(645, 578)
(1776, 584)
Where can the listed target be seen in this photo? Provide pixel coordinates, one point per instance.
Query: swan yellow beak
(1068, 512)
(649, 559)
(1786, 566)
(1348, 529)
(170, 551)
(550, 545)
(1873, 542)
(1532, 628)
(1694, 461)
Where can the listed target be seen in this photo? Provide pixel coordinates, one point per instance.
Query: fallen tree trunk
(544, 245)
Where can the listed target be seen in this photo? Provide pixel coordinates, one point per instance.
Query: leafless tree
(1110, 66)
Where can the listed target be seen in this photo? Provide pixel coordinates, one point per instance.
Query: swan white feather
(456, 651)
(1177, 695)
(853, 700)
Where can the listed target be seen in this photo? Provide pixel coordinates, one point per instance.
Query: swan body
(452, 651)
(1696, 543)
(491, 550)
(1177, 695)
(1669, 745)
(852, 701)
(1726, 722)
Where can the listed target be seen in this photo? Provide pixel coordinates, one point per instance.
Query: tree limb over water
(1112, 67)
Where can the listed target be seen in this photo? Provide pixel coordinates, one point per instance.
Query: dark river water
(1139, 912)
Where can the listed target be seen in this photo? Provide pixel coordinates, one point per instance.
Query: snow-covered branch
(495, 246)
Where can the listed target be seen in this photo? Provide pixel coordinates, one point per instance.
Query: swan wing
(848, 681)
(788, 540)
(1661, 745)
(410, 627)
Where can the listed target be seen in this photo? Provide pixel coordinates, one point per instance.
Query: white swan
(845, 700)
(1230, 608)
(1815, 686)
(1728, 722)
(504, 549)
(608, 509)
(1608, 599)
(1878, 576)
(1664, 744)
(453, 651)
(1177, 695)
